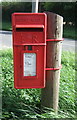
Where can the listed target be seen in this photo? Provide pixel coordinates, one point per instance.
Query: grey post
(35, 6)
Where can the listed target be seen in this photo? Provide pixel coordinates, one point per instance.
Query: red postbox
(29, 49)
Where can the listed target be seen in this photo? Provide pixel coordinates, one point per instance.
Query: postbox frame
(17, 44)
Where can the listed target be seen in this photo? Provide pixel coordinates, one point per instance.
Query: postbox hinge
(55, 40)
(54, 68)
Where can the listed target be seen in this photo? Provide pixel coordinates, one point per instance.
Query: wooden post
(35, 7)
(50, 94)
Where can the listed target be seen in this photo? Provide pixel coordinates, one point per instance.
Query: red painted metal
(29, 26)
(31, 44)
(54, 68)
(55, 40)
(29, 29)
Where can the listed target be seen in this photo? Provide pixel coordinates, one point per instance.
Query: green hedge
(65, 9)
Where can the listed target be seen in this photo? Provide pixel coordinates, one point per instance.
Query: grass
(25, 103)
(68, 32)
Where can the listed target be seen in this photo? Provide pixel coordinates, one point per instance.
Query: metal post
(35, 6)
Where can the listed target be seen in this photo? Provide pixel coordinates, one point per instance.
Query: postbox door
(29, 46)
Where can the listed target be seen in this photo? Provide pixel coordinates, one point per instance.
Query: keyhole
(29, 47)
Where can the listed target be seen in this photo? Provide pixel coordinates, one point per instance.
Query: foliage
(10, 7)
(65, 9)
(25, 103)
(6, 26)
(67, 88)
(70, 32)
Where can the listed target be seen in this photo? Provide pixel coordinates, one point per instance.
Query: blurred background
(66, 9)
